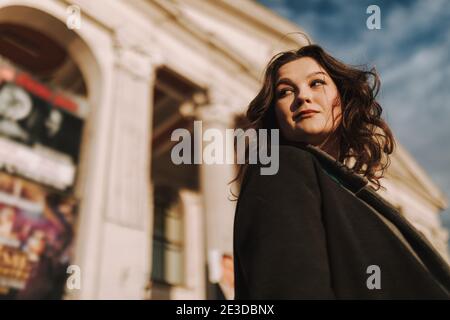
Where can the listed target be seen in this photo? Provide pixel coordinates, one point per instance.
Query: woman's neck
(331, 146)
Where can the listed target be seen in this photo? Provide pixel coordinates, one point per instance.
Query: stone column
(117, 264)
(217, 114)
(127, 243)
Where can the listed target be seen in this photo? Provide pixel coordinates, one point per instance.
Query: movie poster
(36, 233)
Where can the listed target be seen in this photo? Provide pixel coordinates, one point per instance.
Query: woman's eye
(317, 83)
(284, 92)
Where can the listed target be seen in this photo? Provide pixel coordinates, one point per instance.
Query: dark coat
(312, 230)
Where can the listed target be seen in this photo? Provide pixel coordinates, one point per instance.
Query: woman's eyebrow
(290, 82)
(285, 81)
(314, 73)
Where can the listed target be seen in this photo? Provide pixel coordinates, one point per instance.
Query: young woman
(317, 229)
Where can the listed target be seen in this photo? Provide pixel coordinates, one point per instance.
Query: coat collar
(335, 168)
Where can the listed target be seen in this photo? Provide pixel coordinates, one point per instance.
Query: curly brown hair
(364, 136)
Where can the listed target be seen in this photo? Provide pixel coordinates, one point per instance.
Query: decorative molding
(132, 56)
(215, 114)
(219, 106)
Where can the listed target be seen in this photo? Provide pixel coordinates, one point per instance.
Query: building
(130, 73)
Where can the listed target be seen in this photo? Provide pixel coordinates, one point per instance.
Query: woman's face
(305, 105)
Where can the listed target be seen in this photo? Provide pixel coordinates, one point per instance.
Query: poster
(40, 130)
(27, 118)
(36, 233)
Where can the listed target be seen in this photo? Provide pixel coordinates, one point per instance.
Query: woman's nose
(304, 96)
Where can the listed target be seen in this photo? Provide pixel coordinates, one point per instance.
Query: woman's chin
(308, 131)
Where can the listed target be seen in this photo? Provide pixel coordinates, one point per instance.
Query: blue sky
(411, 52)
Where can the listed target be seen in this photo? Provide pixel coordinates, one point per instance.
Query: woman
(317, 228)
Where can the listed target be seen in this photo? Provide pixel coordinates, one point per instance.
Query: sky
(411, 52)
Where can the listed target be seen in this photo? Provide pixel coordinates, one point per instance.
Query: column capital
(217, 96)
(215, 113)
(217, 106)
(133, 57)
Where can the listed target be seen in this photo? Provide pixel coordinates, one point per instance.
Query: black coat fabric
(312, 230)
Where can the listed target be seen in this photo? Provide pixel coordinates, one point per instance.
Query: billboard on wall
(36, 233)
(40, 130)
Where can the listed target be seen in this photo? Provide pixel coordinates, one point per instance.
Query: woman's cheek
(318, 124)
(284, 114)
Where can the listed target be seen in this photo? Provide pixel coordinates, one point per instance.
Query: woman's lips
(304, 114)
